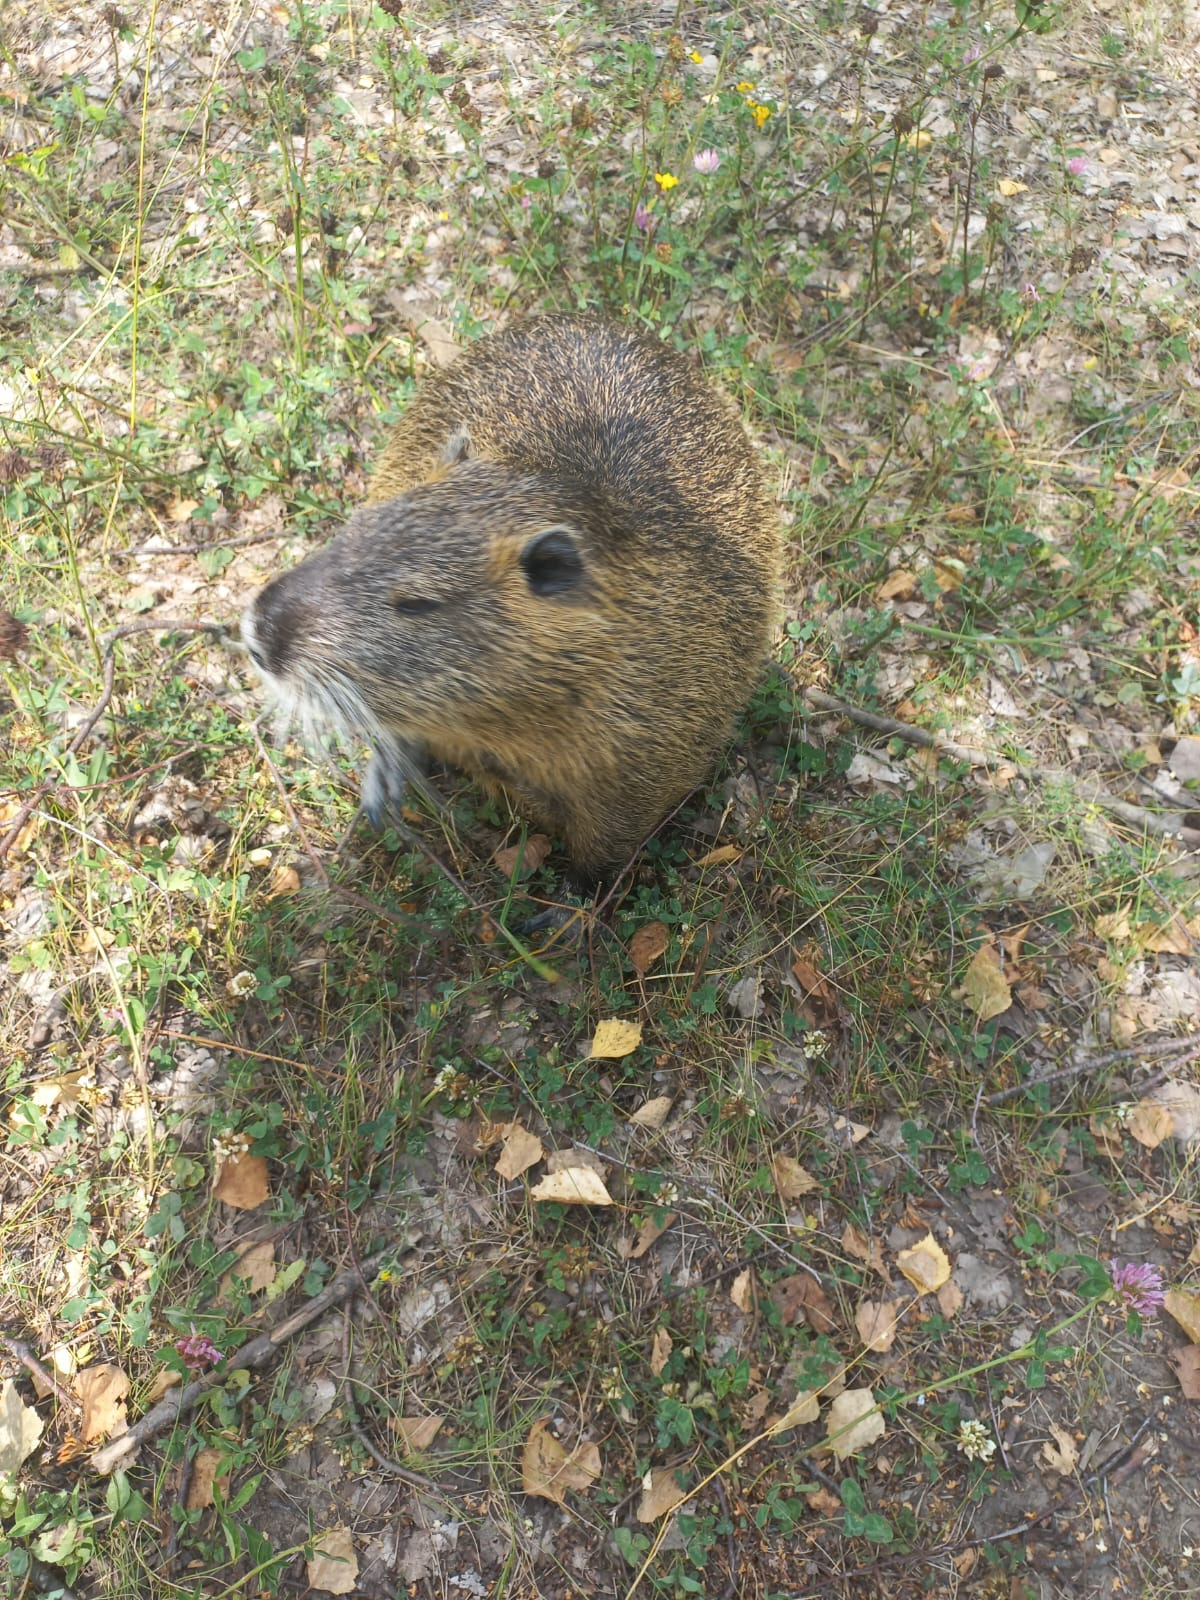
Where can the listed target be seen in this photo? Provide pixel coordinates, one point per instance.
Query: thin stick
(1093, 793)
(255, 1353)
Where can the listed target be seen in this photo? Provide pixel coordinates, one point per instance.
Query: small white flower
(975, 1442)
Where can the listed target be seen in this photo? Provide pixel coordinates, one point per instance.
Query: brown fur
(597, 682)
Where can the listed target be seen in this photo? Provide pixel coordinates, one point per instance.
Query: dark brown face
(454, 606)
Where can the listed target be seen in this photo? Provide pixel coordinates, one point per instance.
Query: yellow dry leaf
(1186, 1361)
(900, 584)
(284, 880)
(101, 1390)
(529, 859)
(1171, 938)
(853, 1423)
(62, 1364)
(741, 1290)
(950, 1299)
(548, 1470)
(985, 988)
(181, 511)
(876, 1323)
(521, 1151)
(857, 1131)
(1008, 187)
(660, 1494)
(242, 1183)
(1150, 1124)
(791, 1179)
(162, 1380)
(723, 854)
(333, 1566)
(254, 1269)
(207, 1467)
(632, 1249)
(1062, 1456)
(804, 1408)
(858, 1244)
(949, 573)
(660, 1351)
(416, 1434)
(20, 1429)
(614, 1038)
(573, 1186)
(925, 1265)
(1115, 926)
(654, 1113)
(1185, 1308)
(647, 945)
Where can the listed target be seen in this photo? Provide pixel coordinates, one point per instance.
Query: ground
(861, 1256)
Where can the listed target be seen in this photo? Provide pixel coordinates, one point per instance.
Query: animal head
(462, 602)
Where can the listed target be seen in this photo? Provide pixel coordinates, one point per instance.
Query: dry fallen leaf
(1185, 1308)
(416, 1434)
(1150, 1124)
(333, 1566)
(20, 1429)
(858, 1244)
(521, 1151)
(791, 1179)
(950, 1299)
(615, 1038)
(537, 848)
(985, 988)
(853, 1423)
(719, 857)
(1062, 1456)
(900, 584)
(820, 996)
(741, 1290)
(804, 1408)
(206, 1471)
(799, 1297)
(925, 1265)
(254, 1270)
(242, 1183)
(654, 1113)
(61, 1362)
(101, 1390)
(648, 945)
(573, 1186)
(650, 1229)
(660, 1494)
(548, 1470)
(660, 1351)
(876, 1323)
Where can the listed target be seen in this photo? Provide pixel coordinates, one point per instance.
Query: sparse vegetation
(891, 1163)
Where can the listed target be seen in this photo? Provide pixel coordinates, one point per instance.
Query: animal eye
(413, 605)
(552, 563)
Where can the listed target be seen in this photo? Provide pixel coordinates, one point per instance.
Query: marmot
(563, 583)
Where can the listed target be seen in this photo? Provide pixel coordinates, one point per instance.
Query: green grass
(219, 294)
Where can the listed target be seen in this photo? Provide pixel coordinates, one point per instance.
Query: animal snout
(271, 624)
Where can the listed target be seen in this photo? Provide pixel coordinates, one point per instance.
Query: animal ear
(457, 447)
(553, 563)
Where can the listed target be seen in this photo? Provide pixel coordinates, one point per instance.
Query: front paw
(394, 765)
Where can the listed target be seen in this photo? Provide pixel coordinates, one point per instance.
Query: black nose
(273, 627)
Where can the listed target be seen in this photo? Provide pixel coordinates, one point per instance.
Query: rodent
(562, 583)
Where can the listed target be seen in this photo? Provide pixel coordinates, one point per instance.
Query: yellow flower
(665, 180)
(760, 114)
(744, 88)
